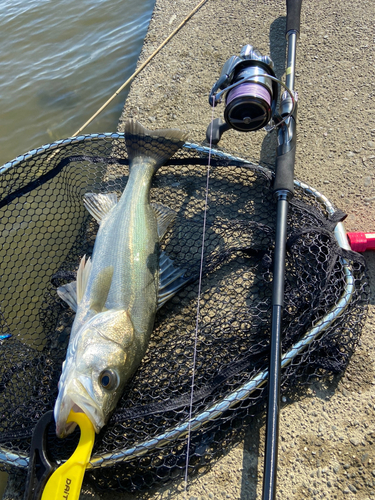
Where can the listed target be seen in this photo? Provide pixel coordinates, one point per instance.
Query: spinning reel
(251, 92)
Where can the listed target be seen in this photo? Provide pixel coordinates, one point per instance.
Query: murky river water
(59, 62)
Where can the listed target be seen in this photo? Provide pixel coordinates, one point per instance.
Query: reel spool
(251, 89)
(248, 105)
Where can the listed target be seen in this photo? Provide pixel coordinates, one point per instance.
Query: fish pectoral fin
(68, 293)
(100, 289)
(165, 217)
(171, 279)
(99, 205)
(83, 274)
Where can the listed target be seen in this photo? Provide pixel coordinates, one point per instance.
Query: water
(59, 62)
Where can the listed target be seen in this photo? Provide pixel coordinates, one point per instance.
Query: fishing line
(198, 306)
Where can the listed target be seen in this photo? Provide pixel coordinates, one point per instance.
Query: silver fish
(119, 290)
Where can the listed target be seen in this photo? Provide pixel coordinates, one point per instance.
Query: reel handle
(293, 16)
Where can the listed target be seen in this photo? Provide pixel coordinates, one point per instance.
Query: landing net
(44, 232)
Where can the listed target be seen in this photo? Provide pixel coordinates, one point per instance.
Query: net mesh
(45, 231)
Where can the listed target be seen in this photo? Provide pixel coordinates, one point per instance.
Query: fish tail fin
(158, 145)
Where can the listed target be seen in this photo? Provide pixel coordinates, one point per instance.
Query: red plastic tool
(360, 242)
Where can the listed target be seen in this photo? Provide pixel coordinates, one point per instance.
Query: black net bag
(224, 344)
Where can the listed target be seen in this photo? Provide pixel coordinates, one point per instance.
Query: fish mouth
(76, 397)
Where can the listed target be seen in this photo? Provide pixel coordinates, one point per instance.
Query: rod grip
(293, 15)
(284, 172)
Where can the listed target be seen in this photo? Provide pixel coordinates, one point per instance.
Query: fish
(119, 289)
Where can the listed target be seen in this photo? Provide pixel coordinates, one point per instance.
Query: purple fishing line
(249, 89)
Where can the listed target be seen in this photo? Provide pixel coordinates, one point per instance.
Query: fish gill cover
(44, 232)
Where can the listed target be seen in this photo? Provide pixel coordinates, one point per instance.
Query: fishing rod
(250, 87)
(283, 191)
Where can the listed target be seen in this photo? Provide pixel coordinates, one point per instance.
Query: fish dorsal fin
(153, 145)
(72, 293)
(100, 289)
(99, 205)
(165, 217)
(171, 279)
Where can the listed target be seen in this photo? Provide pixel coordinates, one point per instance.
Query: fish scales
(133, 250)
(117, 294)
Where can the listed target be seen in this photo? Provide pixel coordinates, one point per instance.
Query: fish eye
(108, 380)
